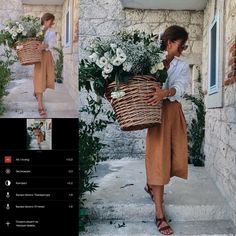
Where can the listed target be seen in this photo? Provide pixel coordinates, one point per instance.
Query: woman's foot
(163, 226)
(148, 189)
(42, 112)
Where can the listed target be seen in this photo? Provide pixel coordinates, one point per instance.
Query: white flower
(39, 34)
(113, 47)
(160, 66)
(127, 66)
(93, 57)
(24, 33)
(102, 62)
(107, 55)
(108, 68)
(117, 94)
(104, 75)
(7, 28)
(119, 52)
(156, 67)
(21, 27)
(19, 47)
(11, 31)
(153, 70)
(14, 34)
(122, 57)
(117, 61)
(19, 31)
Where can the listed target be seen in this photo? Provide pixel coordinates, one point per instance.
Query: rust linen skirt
(166, 146)
(44, 74)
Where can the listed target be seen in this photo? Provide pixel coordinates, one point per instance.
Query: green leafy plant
(6, 61)
(59, 65)
(196, 130)
(89, 151)
(120, 58)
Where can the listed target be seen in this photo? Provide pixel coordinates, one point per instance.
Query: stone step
(146, 212)
(34, 114)
(20, 101)
(148, 228)
(121, 196)
(30, 106)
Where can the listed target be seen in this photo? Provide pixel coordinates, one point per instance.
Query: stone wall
(220, 138)
(70, 72)
(101, 18)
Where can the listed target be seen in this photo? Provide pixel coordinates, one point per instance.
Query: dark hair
(46, 17)
(173, 33)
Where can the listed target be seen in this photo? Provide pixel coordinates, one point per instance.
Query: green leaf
(83, 212)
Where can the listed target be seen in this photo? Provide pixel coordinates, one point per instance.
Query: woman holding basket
(166, 144)
(44, 75)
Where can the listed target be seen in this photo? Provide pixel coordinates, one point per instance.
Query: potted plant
(59, 65)
(123, 69)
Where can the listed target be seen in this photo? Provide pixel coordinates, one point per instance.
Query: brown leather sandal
(162, 230)
(148, 189)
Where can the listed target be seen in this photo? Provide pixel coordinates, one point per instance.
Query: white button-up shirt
(50, 38)
(178, 78)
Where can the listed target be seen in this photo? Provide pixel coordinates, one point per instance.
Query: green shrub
(6, 61)
(89, 150)
(196, 130)
(59, 65)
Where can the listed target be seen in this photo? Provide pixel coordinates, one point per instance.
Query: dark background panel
(12, 134)
(65, 133)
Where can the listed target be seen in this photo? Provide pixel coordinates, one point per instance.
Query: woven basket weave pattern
(132, 111)
(27, 52)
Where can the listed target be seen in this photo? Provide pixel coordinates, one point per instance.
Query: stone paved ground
(195, 206)
(34, 145)
(20, 102)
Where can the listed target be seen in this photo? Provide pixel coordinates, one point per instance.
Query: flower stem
(117, 82)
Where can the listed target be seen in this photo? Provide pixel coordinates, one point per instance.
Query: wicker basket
(132, 111)
(27, 51)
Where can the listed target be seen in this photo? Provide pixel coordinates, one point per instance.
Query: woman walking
(166, 144)
(38, 136)
(44, 75)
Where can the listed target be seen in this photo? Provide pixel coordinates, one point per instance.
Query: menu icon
(8, 159)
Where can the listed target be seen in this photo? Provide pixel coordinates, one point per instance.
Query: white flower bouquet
(18, 31)
(24, 36)
(123, 69)
(119, 59)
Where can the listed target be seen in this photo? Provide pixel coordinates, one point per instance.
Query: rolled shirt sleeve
(180, 80)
